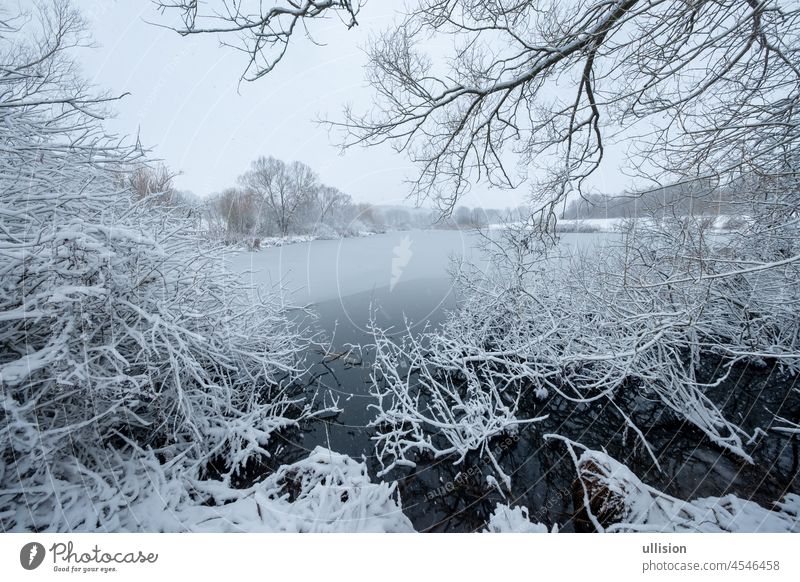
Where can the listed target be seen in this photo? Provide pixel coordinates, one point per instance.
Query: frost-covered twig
(423, 408)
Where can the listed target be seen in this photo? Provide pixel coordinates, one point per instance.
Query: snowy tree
(264, 31)
(281, 190)
(463, 216)
(330, 204)
(276, 198)
(238, 209)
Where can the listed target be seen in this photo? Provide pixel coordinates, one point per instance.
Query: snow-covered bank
(616, 500)
(260, 243)
(721, 223)
(331, 492)
(589, 225)
(325, 492)
(277, 241)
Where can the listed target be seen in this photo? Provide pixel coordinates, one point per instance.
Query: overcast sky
(190, 108)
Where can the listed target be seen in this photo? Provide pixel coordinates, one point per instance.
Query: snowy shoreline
(261, 243)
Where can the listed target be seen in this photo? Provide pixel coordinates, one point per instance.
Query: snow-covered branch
(264, 31)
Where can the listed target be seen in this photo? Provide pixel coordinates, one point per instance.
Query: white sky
(189, 107)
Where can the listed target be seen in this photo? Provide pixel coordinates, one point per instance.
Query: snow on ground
(618, 501)
(590, 225)
(259, 243)
(331, 492)
(325, 492)
(506, 519)
(722, 223)
(279, 241)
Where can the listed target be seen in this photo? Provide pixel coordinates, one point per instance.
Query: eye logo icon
(31, 555)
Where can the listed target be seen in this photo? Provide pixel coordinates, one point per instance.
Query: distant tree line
(466, 217)
(275, 198)
(697, 198)
(280, 199)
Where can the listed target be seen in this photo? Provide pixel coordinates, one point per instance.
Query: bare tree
(239, 209)
(281, 190)
(369, 216)
(398, 218)
(302, 188)
(704, 96)
(330, 202)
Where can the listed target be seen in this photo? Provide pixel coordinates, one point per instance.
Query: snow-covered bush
(436, 398)
(120, 332)
(505, 519)
(616, 500)
(325, 492)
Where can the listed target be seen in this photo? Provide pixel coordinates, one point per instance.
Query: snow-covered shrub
(325, 492)
(505, 519)
(616, 500)
(120, 332)
(436, 398)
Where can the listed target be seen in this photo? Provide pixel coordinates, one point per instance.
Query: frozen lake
(401, 273)
(322, 270)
